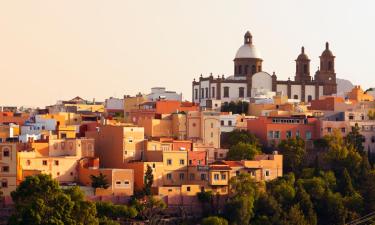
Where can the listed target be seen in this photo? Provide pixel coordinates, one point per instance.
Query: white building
(228, 122)
(161, 93)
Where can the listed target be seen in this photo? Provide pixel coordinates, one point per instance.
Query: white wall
(309, 90)
(296, 90)
(261, 81)
(283, 88)
(114, 104)
(233, 91)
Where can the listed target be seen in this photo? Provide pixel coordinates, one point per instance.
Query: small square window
(187, 188)
(4, 184)
(169, 161)
(6, 153)
(223, 176)
(182, 162)
(182, 176)
(169, 176)
(44, 162)
(56, 162)
(216, 176)
(5, 169)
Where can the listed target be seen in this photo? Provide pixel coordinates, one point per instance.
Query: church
(249, 80)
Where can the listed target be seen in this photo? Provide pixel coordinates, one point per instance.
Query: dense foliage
(99, 181)
(240, 107)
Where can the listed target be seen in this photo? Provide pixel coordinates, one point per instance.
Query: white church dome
(248, 51)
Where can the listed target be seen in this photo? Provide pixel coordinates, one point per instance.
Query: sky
(54, 50)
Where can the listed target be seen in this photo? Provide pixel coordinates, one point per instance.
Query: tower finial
(303, 50)
(248, 38)
(327, 45)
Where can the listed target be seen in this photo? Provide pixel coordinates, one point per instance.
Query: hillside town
(180, 149)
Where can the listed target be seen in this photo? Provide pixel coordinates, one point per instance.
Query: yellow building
(204, 127)
(131, 103)
(8, 166)
(57, 157)
(9, 131)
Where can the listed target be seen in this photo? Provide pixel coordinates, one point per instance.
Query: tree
(150, 209)
(243, 192)
(214, 220)
(243, 136)
(306, 205)
(39, 200)
(99, 181)
(293, 151)
(267, 210)
(206, 200)
(242, 151)
(295, 216)
(346, 187)
(355, 139)
(107, 210)
(149, 179)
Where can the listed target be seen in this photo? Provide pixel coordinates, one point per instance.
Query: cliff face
(343, 86)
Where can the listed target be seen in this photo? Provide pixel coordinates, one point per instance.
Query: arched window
(309, 98)
(226, 92)
(241, 92)
(253, 70)
(259, 68)
(295, 97)
(239, 69)
(305, 69)
(246, 69)
(329, 65)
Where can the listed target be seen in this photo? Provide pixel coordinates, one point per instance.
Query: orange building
(357, 94)
(8, 167)
(16, 118)
(332, 103)
(271, 130)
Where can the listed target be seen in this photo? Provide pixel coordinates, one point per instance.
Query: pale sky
(53, 50)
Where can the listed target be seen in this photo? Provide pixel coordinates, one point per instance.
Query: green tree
(306, 205)
(39, 200)
(293, 151)
(242, 151)
(214, 220)
(149, 180)
(243, 136)
(355, 139)
(206, 200)
(267, 210)
(239, 207)
(346, 186)
(99, 181)
(295, 216)
(107, 210)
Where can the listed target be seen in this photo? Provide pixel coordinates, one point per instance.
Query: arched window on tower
(305, 68)
(239, 69)
(295, 96)
(246, 69)
(253, 70)
(309, 98)
(259, 68)
(329, 65)
(241, 92)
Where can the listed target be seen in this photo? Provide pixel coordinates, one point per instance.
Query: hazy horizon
(51, 51)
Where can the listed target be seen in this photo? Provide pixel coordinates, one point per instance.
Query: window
(58, 173)
(196, 93)
(190, 161)
(212, 134)
(329, 65)
(63, 135)
(28, 162)
(237, 172)
(182, 176)
(230, 123)
(223, 176)
(4, 183)
(44, 162)
(329, 129)
(203, 176)
(207, 93)
(295, 97)
(71, 173)
(270, 134)
(308, 135)
(226, 92)
(241, 92)
(192, 176)
(187, 188)
(222, 123)
(169, 190)
(56, 162)
(212, 125)
(309, 98)
(246, 69)
(169, 176)
(213, 92)
(276, 135)
(351, 117)
(259, 68)
(153, 165)
(5, 169)
(267, 173)
(169, 161)
(182, 162)
(216, 176)
(305, 68)
(5, 152)
(289, 134)
(199, 162)
(202, 93)
(253, 69)
(239, 69)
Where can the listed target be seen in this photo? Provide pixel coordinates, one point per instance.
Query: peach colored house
(116, 145)
(57, 157)
(8, 167)
(357, 94)
(121, 181)
(204, 127)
